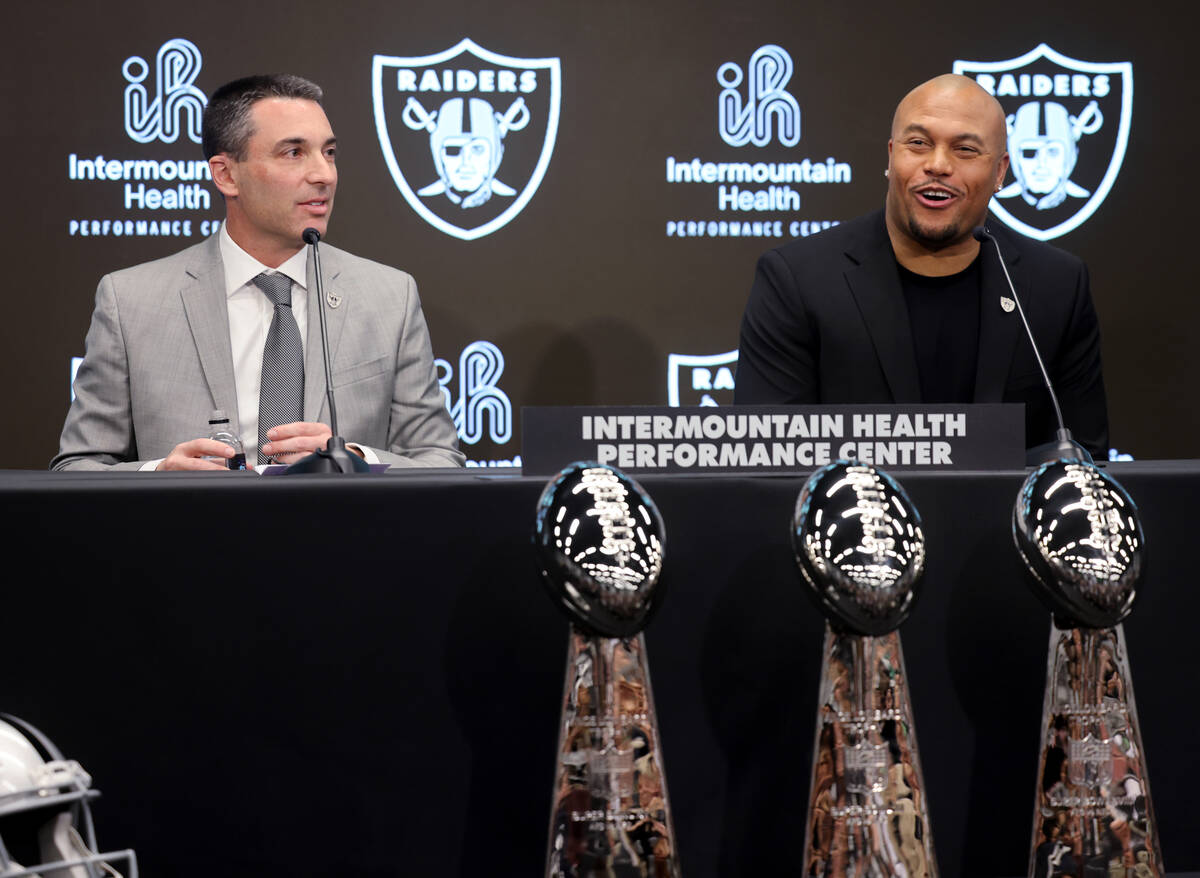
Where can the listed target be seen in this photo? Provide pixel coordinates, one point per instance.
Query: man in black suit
(905, 305)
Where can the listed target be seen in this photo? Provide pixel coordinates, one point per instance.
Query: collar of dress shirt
(241, 267)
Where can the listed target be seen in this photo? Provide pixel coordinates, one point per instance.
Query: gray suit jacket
(159, 360)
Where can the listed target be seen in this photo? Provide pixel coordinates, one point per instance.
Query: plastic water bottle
(218, 430)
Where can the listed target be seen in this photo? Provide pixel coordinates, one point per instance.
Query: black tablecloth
(362, 676)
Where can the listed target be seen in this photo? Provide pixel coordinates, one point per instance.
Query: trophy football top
(1080, 536)
(599, 540)
(859, 545)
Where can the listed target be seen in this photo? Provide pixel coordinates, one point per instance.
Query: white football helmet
(45, 816)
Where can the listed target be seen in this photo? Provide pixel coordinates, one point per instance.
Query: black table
(362, 676)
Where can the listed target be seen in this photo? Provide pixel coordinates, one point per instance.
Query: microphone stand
(1064, 447)
(335, 457)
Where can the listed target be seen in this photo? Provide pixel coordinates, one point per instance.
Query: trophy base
(1092, 812)
(610, 814)
(867, 813)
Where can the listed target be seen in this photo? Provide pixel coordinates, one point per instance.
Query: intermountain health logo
(758, 183)
(177, 106)
(480, 400)
(749, 119)
(158, 181)
(1068, 127)
(467, 133)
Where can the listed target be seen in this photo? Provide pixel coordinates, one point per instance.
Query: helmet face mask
(46, 824)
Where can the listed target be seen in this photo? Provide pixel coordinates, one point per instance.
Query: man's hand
(194, 453)
(290, 442)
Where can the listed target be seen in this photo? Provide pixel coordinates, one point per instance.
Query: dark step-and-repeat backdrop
(649, 152)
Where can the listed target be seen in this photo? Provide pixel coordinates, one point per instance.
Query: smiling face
(946, 158)
(285, 182)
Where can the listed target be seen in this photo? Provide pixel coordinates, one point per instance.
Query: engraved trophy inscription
(599, 540)
(1078, 532)
(859, 545)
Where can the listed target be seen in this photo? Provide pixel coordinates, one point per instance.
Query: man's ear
(221, 166)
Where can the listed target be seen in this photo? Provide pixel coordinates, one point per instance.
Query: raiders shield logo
(466, 133)
(1068, 126)
(700, 380)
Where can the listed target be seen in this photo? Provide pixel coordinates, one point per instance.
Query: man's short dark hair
(227, 127)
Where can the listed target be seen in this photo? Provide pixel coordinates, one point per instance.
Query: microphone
(1064, 447)
(336, 457)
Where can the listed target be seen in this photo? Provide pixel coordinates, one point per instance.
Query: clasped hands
(287, 444)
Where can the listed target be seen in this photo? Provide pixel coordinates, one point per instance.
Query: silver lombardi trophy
(860, 548)
(1078, 533)
(599, 541)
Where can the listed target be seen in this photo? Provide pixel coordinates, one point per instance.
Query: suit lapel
(314, 361)
(204, 303)
(875, 284)
(999, 330)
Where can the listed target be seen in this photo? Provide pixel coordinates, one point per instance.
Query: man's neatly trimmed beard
(943, 238)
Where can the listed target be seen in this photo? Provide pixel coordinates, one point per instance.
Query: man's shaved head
(962, 90)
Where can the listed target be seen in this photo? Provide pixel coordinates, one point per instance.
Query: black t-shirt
(944, 315)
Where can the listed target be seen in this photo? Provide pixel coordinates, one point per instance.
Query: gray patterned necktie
(281, 398)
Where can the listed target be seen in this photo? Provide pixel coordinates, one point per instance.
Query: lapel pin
(334, 300)
(1005, 302)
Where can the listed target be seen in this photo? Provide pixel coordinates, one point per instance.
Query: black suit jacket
(827, 323)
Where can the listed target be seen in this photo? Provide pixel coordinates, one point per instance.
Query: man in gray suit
(174, 339)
